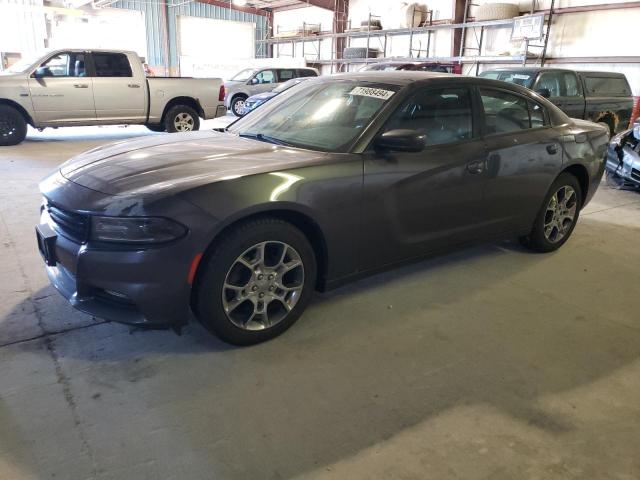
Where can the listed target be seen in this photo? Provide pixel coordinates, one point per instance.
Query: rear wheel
(557, 217)
(257, 283)
(13, 127)
(181, 118)
(237, 105)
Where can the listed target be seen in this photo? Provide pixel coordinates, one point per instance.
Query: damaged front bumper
(623, 158)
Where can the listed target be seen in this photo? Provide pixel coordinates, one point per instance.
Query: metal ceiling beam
(230, 5)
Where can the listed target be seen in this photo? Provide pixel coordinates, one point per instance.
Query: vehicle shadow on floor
(488, 326)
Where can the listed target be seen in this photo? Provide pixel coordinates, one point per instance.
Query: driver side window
(64, 65)
(266, 76)
(443, 115)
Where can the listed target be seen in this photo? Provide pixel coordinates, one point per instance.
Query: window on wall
(505, 112)
(111, 65)
(442, 115)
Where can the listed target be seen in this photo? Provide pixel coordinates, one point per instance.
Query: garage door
(205, 48)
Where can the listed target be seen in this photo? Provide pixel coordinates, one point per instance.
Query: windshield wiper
(265, 138)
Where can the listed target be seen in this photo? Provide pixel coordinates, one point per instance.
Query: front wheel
(181, 118)
(557, 217)
(237, 105)
(13, 127)
(257, 283)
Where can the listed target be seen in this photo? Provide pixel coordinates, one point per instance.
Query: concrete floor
(490, 363)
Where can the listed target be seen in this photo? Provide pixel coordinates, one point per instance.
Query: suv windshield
(328, 116)
(243, 75)
(520, 78)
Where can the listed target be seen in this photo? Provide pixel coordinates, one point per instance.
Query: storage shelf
(390, 32)
(466, 59)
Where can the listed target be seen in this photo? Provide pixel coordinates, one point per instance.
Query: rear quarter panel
(204, 90)
(619, 108)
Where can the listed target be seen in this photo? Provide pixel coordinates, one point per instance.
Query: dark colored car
(255, 101)
(413, 66)
(596, 96)
(345, 176)
(623, 156)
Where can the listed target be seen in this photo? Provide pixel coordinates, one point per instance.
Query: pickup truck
(597, 96)
(100, 87)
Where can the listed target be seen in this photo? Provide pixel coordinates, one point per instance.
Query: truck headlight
(135, 229)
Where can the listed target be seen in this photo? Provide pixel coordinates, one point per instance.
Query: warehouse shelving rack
(429, 27)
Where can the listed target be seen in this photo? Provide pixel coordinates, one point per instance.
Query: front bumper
(146, 287)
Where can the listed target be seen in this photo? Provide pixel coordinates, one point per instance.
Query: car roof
(552, 69)
(395, 77)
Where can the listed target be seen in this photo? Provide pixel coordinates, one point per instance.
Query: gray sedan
(350, 175)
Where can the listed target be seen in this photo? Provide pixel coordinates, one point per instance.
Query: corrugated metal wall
(162, 19)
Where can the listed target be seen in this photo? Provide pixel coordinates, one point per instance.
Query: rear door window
(506, 112)
(609, 86)
(111, 65)
(286, 74)
(306, 73)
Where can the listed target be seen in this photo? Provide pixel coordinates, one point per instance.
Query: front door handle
(552, 149)
(80, 85)
(133, 85)
(475, 167)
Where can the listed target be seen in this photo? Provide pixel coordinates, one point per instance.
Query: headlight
(135, 229)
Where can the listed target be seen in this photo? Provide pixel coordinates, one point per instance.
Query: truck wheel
(156, 128)
(13, 127)
(237, 105)
(181, 118)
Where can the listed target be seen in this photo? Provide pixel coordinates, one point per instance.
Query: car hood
(261, 97)
(176, 162)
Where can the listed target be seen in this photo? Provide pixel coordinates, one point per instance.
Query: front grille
(72, 225)
(635, 174)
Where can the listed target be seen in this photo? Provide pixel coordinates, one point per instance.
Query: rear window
(610, 86)
(111, 65)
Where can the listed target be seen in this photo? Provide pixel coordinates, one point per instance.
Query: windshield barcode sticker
(372, 92)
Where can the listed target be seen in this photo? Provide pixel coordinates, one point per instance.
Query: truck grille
(635, 174)
(72, 225)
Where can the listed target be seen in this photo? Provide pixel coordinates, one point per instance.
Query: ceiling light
(239, 3)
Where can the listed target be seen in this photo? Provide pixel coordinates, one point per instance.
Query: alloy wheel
(560, 214)
(183, 122)
(238, 107)
(263, 285)
(8, 126)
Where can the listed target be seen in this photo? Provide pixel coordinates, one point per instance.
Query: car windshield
(520, 78)
(23, 65)
(326, 116)
(243, 75)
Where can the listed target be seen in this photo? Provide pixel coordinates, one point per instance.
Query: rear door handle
(552, 149)
(475, 167)
(80, 85)
(133, 85)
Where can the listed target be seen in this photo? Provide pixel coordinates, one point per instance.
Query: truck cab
(597, 96)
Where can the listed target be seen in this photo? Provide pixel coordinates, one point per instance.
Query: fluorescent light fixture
(239, 3)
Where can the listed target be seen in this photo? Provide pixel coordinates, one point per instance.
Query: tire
(13, 127)
(233, 285)
(181, 118)
(237, 105)
(156, 128)
(497, 11)
(542, 238)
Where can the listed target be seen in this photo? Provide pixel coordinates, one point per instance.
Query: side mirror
(401, 140)
(545, 92)
(41, 72)
(254, 81)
